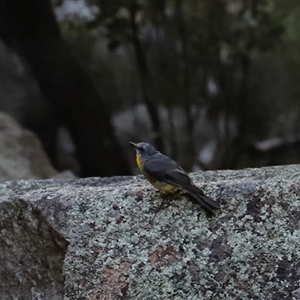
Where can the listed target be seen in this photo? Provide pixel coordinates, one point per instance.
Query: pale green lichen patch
(120, 248)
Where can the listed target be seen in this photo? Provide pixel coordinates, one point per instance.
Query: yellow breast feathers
(140, 162)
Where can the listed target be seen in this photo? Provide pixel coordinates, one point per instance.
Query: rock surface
(21, 154)
(97, 238)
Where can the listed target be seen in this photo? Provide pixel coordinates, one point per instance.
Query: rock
(98, 238)
(21, 154)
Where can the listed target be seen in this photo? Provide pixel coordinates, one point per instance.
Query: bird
(167, 176)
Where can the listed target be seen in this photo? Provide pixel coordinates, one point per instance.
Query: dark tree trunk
(33, 26)
(145, 80)
(190, 123)
(241, 144)
(172, 134)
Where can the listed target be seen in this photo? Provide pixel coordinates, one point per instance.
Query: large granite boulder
(98, 238)
(21, 154)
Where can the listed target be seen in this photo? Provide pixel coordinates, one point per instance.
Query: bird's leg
(160, 207)
(164, 197)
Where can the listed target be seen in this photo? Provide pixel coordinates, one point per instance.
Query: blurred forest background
(214, 84)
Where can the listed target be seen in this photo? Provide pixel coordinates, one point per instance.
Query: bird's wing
(162, 168)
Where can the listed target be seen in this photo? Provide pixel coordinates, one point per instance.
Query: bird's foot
(160, 207)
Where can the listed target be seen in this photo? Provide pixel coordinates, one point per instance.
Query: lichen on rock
(98, 238)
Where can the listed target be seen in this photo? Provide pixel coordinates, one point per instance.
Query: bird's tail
(208, 203)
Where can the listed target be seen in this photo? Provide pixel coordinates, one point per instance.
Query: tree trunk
(144, 72)
(190, 123)
(33, 26)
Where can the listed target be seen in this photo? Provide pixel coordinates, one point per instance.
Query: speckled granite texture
(98, 238)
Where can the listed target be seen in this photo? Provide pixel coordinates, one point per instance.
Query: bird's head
(143, 150)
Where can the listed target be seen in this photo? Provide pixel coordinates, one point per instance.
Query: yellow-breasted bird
(167, 176)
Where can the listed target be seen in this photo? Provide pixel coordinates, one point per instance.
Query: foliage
(228, 59)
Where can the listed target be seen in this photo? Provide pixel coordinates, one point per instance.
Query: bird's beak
(134, 145)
